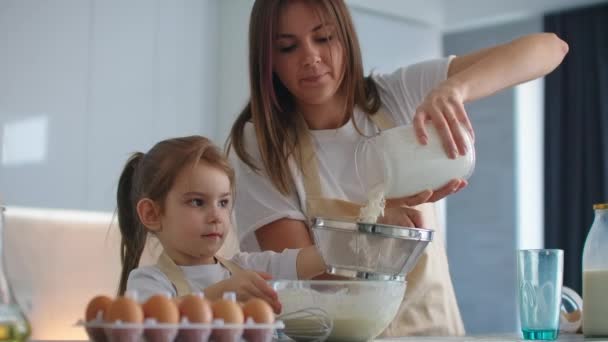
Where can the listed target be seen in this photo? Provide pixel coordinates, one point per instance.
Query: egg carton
(152, 331)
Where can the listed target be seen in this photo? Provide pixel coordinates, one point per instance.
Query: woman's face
(308, 57)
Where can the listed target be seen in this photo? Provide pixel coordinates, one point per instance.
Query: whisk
(309, 324)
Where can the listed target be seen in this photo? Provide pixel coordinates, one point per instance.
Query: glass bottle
(396, 163)
(14, 326)
(595, 275)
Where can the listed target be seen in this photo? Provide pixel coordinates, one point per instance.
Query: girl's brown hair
(152, 176)
(272, 108)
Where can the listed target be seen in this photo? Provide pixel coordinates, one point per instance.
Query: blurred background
(83, 83)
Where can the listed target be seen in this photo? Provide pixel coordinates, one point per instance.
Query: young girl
(182, 191)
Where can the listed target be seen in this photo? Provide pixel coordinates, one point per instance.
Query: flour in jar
(374, 207)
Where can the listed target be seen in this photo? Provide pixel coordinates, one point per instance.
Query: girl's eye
(287, 49)
(197, 202)
(224, 203)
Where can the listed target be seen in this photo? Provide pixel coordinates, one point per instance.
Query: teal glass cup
(539, 276)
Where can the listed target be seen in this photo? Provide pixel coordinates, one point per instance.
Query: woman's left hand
(425, 196)
(444, 106)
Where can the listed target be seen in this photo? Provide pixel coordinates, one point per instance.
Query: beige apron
(429, 306)
(177, 277)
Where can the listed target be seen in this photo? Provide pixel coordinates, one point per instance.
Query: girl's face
(196, 216)
(308, 57)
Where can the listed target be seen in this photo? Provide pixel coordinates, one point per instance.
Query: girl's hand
(250, 284)
(444, 106)
(451, 187)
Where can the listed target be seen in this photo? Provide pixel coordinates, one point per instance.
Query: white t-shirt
(150, 280)
(257, 201)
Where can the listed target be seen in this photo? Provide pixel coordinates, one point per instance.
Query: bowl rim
(337, 282)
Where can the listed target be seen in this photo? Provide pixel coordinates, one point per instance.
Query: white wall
(43, 62)
(387, 41)
(101, 79)
(427, 12)
(233, 77)
(529, 162)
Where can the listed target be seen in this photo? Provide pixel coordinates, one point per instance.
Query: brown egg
(99, 303)
(124, 309)
(227, 310)
(196, 309)
(161, 308)
(258, 310)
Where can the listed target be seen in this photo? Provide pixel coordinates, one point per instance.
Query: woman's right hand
(444, 107)
(402, 216)
(248, 284)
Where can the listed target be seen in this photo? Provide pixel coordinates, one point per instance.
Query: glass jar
(13, 323)
(396, 162)
(595, 275)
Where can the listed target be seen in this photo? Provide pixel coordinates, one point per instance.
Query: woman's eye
(287, 49)
(324, 39)
(224, 203)
(197, 202)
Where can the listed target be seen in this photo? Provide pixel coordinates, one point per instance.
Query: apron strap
(309, 166)
(175, 274)
(178, 278)
(230, 265)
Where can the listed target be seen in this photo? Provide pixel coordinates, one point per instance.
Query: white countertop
(505, 338)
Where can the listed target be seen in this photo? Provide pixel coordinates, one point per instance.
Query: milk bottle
(595, 275)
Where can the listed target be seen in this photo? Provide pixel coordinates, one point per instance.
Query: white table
(497, 338)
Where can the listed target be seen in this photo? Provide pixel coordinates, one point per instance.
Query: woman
(310, 102)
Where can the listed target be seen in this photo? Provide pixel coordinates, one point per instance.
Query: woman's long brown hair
(271, 108)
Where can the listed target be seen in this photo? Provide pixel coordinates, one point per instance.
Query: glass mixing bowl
(340, 310)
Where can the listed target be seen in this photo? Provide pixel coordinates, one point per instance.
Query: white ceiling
(457, 15)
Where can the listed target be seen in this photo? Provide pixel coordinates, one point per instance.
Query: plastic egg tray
(151, 331)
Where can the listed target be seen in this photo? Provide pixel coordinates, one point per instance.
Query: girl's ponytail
(132, 230)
